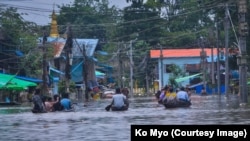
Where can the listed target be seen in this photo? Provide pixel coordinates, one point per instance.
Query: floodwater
(95, 124)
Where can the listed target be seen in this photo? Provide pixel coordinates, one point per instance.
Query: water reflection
(94, 123)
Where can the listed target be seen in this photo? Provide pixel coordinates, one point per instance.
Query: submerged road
(95, 124)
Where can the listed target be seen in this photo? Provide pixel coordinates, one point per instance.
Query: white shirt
(182, 95)
(118, 100)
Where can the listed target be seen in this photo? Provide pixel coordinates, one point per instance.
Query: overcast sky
(39, 11)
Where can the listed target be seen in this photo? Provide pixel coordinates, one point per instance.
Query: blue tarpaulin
(29, 79)
(19, 53)
(57, 71)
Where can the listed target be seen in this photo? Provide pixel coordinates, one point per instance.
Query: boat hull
(120, 109)
(176, 104)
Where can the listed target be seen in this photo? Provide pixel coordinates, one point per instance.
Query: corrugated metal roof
(78, 44)
(89, 44)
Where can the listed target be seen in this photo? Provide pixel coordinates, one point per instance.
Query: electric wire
(144, 20)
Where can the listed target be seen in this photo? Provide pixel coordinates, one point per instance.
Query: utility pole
(202, 52)
(161, 59)
(131, 68)
(218, 60)
(226, 27)
(122, 66)
(69, 56)
(211, 42)
(203, 63)
(45, 66)
(119, 62)
(242, 58)
(85, 72)
(212, 69)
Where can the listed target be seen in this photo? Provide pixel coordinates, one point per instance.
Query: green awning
(178, 80)
(9, 82)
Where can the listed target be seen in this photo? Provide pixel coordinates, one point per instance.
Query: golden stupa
(53, 26)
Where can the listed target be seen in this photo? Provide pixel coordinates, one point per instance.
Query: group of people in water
(167, 95)
(43, 104)
(119, 102)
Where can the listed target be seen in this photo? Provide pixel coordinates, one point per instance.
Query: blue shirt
(66, 103)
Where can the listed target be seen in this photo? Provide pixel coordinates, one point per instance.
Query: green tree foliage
(89, 18)
(18, 35)
(62, 87)
(141, 61)
(176, 72)
(142, 24)
(11, 26)
(142, 20)
(169, 23)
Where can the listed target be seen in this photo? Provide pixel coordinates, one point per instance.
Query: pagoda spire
(53, 26)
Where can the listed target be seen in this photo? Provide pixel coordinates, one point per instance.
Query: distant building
(189, 60)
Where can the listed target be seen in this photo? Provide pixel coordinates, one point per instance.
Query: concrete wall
(181, 62)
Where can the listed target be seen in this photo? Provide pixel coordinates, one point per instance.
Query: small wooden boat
(176, 103)
(108, 94)
(70, 110)
(108, 107)
(120, 109)
(35, 111)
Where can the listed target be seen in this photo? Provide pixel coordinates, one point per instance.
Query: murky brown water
(95, 124)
